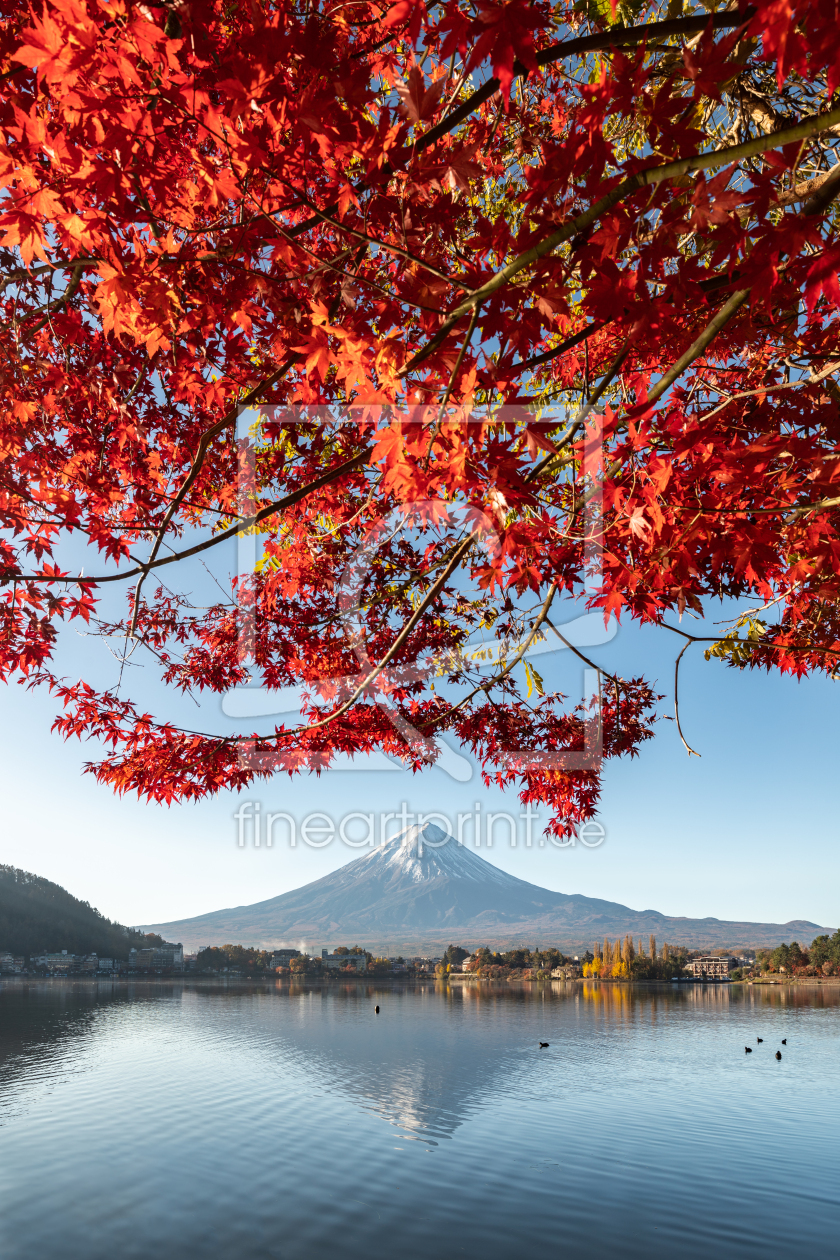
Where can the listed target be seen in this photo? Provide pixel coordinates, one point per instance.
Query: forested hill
(37, 915)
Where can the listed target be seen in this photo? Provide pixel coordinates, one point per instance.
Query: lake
(187, 1120)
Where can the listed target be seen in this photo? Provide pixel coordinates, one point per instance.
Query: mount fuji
(422, 889)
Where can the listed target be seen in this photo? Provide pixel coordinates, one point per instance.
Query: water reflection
(423, 1074)
(48, 1031)
(205, 1120)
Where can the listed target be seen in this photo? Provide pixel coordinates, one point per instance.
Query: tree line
(608, 960)
(622, 960)
(251, 961)
(821, 957)
(511, 964)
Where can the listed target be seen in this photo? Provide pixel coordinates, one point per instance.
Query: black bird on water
(778, 1054)
(747, 1049)
(784, 1041)
(759, 1040)
(543, 1045)
(376, 1010)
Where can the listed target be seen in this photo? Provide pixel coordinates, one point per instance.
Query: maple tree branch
(198, 460)
(689, 749)
(396, 250)
(538, 360)
(51, 307)
(460, 553)
(826, 181)
(613, 37)
(451, 383)
(583, 413)
(694, 351)
(705, 339)
(804, 508)
(652, 175)
(819, 202)
(278, 505)
(488, 686)
(21, 274)
(710, 285)
(753, 643)
(618, 682)
(814, 379)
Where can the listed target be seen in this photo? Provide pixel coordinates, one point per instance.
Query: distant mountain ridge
(423, 889)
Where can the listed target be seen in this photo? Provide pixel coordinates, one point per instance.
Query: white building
(711, 967)
(338, 962)
(283, 957)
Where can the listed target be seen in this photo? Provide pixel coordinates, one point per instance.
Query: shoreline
(395, 981)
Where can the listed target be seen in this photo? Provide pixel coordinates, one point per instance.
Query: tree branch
(614, 37)
(279, 505)
(651, 176)
(689, 749)
(459, 554)
(497, 678)
(195, 469)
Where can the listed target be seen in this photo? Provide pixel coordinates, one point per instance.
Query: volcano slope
(422, 890)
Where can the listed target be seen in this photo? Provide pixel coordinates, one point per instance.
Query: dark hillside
(37, 915)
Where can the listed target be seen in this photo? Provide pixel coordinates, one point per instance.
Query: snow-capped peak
(424, 852)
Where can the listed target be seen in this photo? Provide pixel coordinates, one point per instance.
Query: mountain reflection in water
(290, 1121)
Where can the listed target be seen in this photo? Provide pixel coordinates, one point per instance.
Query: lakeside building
(63, 963)
(282, 957)
(157, 958)
(711, 967)
(60, 963)
(337, 962)
(569, 971)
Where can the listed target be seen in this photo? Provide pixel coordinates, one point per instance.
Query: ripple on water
(216, 1123)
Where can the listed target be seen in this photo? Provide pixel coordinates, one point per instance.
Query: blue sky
(747, 831)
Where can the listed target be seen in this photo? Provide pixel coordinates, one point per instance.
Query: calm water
(183, 1121)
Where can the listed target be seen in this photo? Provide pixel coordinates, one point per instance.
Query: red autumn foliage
(434, 241)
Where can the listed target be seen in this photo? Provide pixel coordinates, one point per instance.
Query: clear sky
(747, 831)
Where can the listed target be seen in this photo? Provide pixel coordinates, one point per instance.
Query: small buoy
(376, 1010)
(778, 1054)
(784, 1041)
(748, 1049)
(759, 1040)
(543, 1045)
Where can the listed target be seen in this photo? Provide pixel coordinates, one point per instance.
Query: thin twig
(774, 389)
(451, 385)
(691, 751)
(497, 678)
